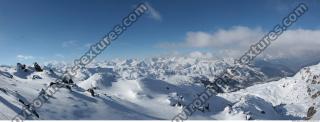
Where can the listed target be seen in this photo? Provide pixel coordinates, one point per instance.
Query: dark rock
(36, 77)
(37, 67)
(311, 112)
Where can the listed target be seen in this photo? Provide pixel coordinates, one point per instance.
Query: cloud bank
(236, 40)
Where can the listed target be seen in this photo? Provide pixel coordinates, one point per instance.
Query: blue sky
(45, 30)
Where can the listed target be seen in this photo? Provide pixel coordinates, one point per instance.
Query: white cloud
(70, 43)
(153, 13)
(25, 57)
(236, 40)
(235, 36)
(299, 42)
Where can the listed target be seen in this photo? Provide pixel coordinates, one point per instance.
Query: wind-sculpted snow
(158, 88)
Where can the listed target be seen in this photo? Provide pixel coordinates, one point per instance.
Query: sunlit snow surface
(133, 89)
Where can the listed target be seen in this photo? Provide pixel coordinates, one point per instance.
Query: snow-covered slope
(157, 89)
(291, 97)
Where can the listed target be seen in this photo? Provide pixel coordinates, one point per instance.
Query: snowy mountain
(158, 88)
(294, 97)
